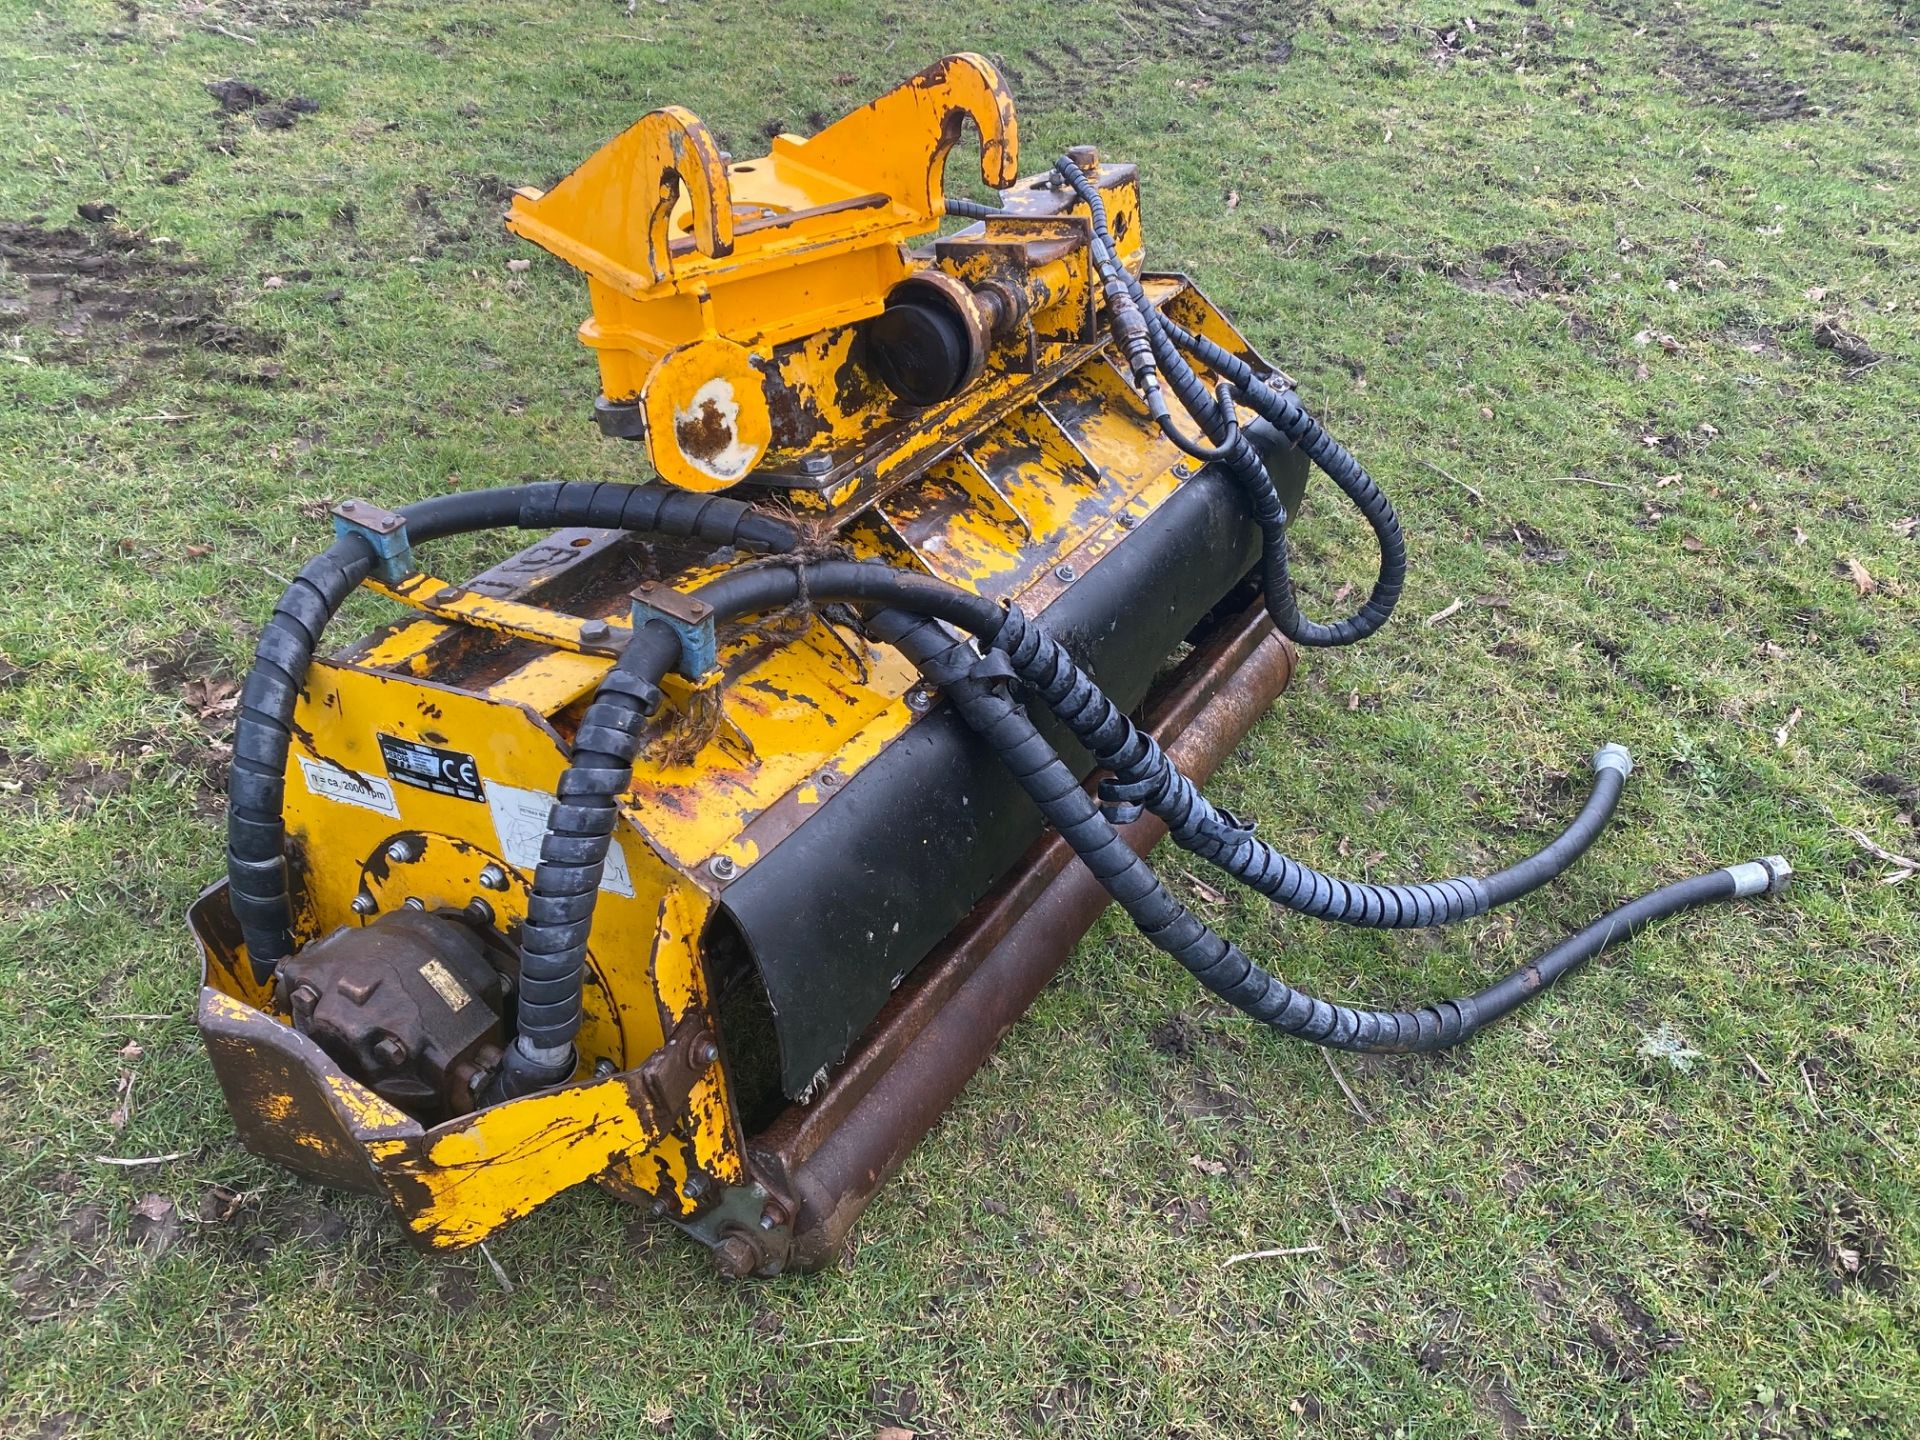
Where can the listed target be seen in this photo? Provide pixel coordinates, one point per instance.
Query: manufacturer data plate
(428, 767)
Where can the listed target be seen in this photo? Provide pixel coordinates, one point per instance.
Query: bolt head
(1183, 470)
(723, 867)
(735, 1257)
(593, 630)
(1065, 574)
(705, 1053)
(493, 878)
(391, 1052)
(401, 852)
(695, 1187)
(1128, 520)
(364, 904)
(919, 698)
(480, 910)
(304, 997)
(817, 464)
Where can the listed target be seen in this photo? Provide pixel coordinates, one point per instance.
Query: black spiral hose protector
(263, 726)
(978, 692)
(1281, 409)
(1145, 778)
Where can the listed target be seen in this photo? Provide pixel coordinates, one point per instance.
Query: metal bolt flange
(1065, 574)
(723, 867)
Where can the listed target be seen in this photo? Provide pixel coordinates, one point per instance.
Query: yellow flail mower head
(704, 848)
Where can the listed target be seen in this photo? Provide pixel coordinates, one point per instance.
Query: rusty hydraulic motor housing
(823, 901)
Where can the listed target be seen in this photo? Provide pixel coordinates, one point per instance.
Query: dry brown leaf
(156, 1222)
(1205, 1166)
(1786, 729)
(1692, 543)
(123, 1110)
(894, 1432)
(1907, 526)
(212, 698)
(1233, 199)
(1862, 581)
(198, 552)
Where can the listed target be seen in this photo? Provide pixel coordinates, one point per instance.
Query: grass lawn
(1620, 299)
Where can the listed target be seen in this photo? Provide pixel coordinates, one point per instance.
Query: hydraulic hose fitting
(1611, 756)
(1766, 876)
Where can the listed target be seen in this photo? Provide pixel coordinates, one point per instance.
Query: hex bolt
(769, 1220)
(602, 1068)
(480, 910)
(391, 1052)
(1084, 156)
(1128, 520)
(706, 1052)
(304, 997)
(723, 867)
(446, 595)
(364, 904)
(594, 631)
(695, 1187)
(735, 1257)
(1183, 470)
(817, 465)
(919, 698)
(414, 902)
(493, 878)
(1065, 574)
(659, 1209)
(401, 852)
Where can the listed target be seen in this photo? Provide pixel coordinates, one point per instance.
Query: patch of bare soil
(1215, 37)
(289, 14)
(1525, 270)
(1845, 1245)
(109, 287)
(1744, 85)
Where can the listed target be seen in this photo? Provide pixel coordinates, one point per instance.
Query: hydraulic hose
(263, 725)
(978, 693)
(1160, 355)
(573, 857)
(1144, 778)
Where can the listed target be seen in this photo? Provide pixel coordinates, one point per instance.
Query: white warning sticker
(349, 787)
(520, 819)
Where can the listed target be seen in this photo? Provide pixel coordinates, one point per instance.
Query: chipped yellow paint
(504, 617)
(757, 273)
(363, 1109)
(474, 1175)
(697, 262)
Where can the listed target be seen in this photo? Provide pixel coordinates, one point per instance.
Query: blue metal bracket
(384, 531)
(690, 619)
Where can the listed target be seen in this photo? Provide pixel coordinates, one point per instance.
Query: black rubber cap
(919, 350)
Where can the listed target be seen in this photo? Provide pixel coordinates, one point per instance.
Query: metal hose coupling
(1766, 876)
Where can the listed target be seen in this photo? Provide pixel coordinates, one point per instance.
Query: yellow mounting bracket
(699, 264)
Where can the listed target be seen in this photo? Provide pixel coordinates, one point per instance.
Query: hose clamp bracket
(690, 619)
(385, 534)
